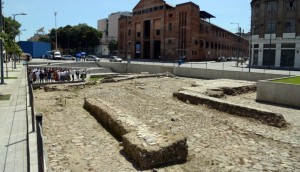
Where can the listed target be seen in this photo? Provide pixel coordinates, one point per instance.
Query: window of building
(201, 44)
(290, 5)
(207, 29)
(207, 45)
(138, 34)
(271, 6)
(170, 15)
(129, 32)
(212, 45)
(170, 41)
(255, 29)
(289, 26)
(196, 42)
(256, 10)
(161, 7)
(170, 27)
(128, 46)
(158, 32)
(270, 26)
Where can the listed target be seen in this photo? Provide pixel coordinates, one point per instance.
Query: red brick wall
(188, 36)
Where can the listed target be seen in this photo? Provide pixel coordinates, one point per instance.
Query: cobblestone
(217, 141)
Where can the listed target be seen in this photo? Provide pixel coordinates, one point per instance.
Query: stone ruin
(149, 149)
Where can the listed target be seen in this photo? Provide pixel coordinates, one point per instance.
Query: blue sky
(40, 13)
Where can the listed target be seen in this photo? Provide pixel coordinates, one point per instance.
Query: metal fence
(228, 66)
(38, 128)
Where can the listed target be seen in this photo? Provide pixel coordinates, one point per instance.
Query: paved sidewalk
(13, 122)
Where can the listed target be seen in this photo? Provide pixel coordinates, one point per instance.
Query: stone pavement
(13, 121)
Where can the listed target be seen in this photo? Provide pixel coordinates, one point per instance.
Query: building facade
(159, 30)
(103, 27)
(109, 26)
(275, 29)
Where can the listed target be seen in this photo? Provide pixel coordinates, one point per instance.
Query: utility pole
(238, 43)
(1, 46)
(15, 58)
(55, 13)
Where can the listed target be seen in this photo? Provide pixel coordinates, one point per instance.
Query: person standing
(73, 74)
(77, 75)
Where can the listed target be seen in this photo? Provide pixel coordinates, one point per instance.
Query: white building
(275, 33)
(109, 26)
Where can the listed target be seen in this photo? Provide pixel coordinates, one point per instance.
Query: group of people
(42, 75)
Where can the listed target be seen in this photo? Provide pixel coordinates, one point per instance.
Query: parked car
(229, 59)
(92, 58)
(115, 59)
(221, 59)
(26, 56)
(68, 57)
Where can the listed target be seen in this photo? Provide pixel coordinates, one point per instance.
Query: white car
(92, 58)
(68, 57)
(115, 59)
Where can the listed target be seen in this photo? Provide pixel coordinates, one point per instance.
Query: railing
(213, 65)
(40, 142)
(38, 128)
(27, 127)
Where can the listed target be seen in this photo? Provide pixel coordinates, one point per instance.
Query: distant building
(109, 29)
(159, 30)
(109, 26)
(275, 30)
(35, 49)
(103, 27)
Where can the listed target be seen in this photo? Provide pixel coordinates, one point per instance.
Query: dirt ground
(75, 141)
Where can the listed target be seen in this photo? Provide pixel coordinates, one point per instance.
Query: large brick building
(276, 33)
(158, 29)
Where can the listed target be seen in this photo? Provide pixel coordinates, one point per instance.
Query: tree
(9, 45)
(81, 37)
(44, 38)
(11, 28)
(113, 46)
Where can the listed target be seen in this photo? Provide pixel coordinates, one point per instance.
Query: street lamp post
(1, 50)
(15, 59)
(239, 34)
(20, 40)
(55, 13)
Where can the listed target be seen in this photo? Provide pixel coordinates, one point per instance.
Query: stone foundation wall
(174, 151)
(264, 116)
(147, 148)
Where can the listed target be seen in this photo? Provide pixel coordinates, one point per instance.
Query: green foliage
(292, 80)
(44, 38)
(11, 30)
(113, 46)
(81, 37)
(11, 27)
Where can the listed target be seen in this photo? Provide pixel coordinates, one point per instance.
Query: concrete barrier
(189, 72)
(278, 93)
